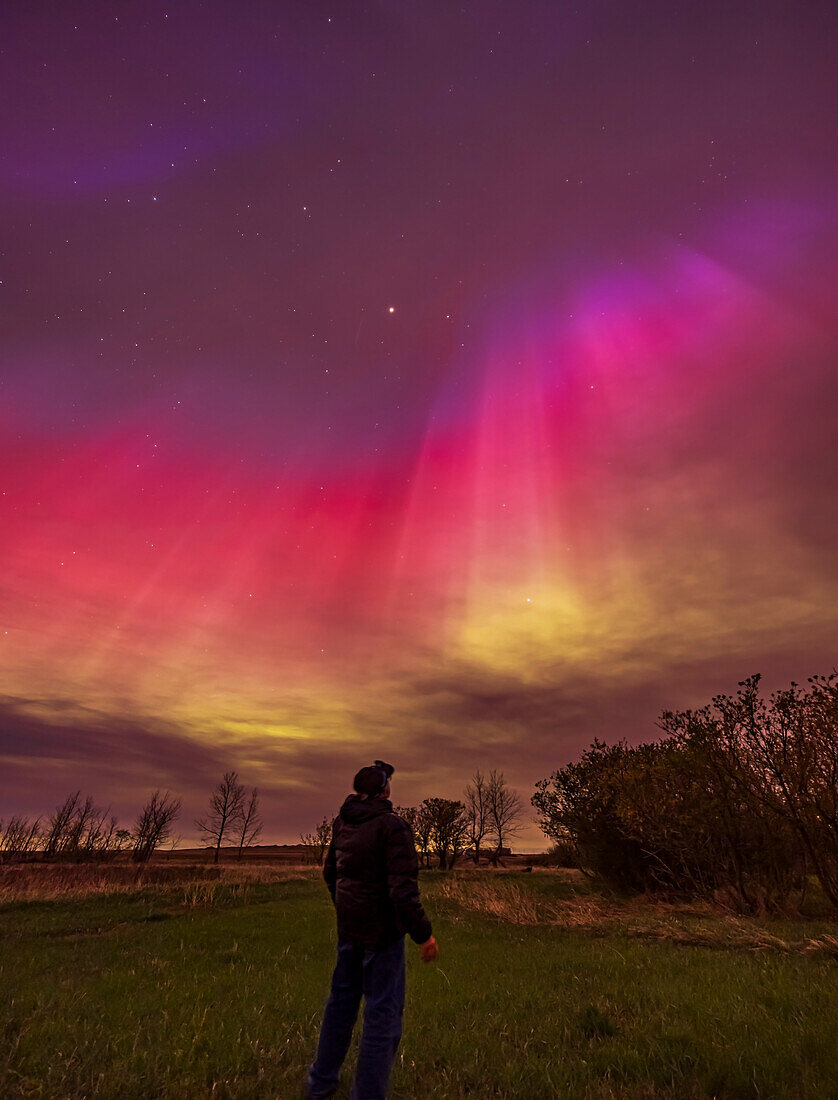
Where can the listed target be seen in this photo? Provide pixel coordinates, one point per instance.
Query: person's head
(374, 780)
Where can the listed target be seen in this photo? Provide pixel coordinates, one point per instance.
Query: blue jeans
(379, 976)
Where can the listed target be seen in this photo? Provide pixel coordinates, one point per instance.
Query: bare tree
(154, 824)
(423, 831)
(79, 829)
(59, 826)
(105, 841)
(421, 828)
(225, 811)
(318, 841)
(250, 823)
(448, 829)
(95, 830)
(504, 809)
(18, 837)
(82, 827)
(477, 811)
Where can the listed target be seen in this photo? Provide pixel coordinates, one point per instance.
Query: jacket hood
(357, 810)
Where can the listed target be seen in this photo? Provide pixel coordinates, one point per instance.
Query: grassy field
(544, 989)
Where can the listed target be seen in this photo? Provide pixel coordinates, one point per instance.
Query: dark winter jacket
(372, 874)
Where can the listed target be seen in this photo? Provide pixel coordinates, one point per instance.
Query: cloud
(52, 747)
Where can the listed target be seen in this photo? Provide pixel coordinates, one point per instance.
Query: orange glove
(429, 950)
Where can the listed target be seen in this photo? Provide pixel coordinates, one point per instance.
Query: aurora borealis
(447, 383)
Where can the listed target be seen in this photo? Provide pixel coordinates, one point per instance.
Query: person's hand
(429, 950)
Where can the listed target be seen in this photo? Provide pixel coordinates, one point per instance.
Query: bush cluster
(737, 801)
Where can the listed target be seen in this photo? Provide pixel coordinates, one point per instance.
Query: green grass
(177, 993)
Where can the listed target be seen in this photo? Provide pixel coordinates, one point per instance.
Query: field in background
(65, 881)
(200, 981)
(39, 881)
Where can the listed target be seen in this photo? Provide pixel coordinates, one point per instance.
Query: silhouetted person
(372, 873)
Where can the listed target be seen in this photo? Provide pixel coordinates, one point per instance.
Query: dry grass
(696, 924)
(63, 881)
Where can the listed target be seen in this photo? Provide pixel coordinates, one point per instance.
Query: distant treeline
(81, 830)
(737, 802)
(446, 829)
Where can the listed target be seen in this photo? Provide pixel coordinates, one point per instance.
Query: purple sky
(448, 383)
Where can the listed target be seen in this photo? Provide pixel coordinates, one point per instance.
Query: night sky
(451, 383)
